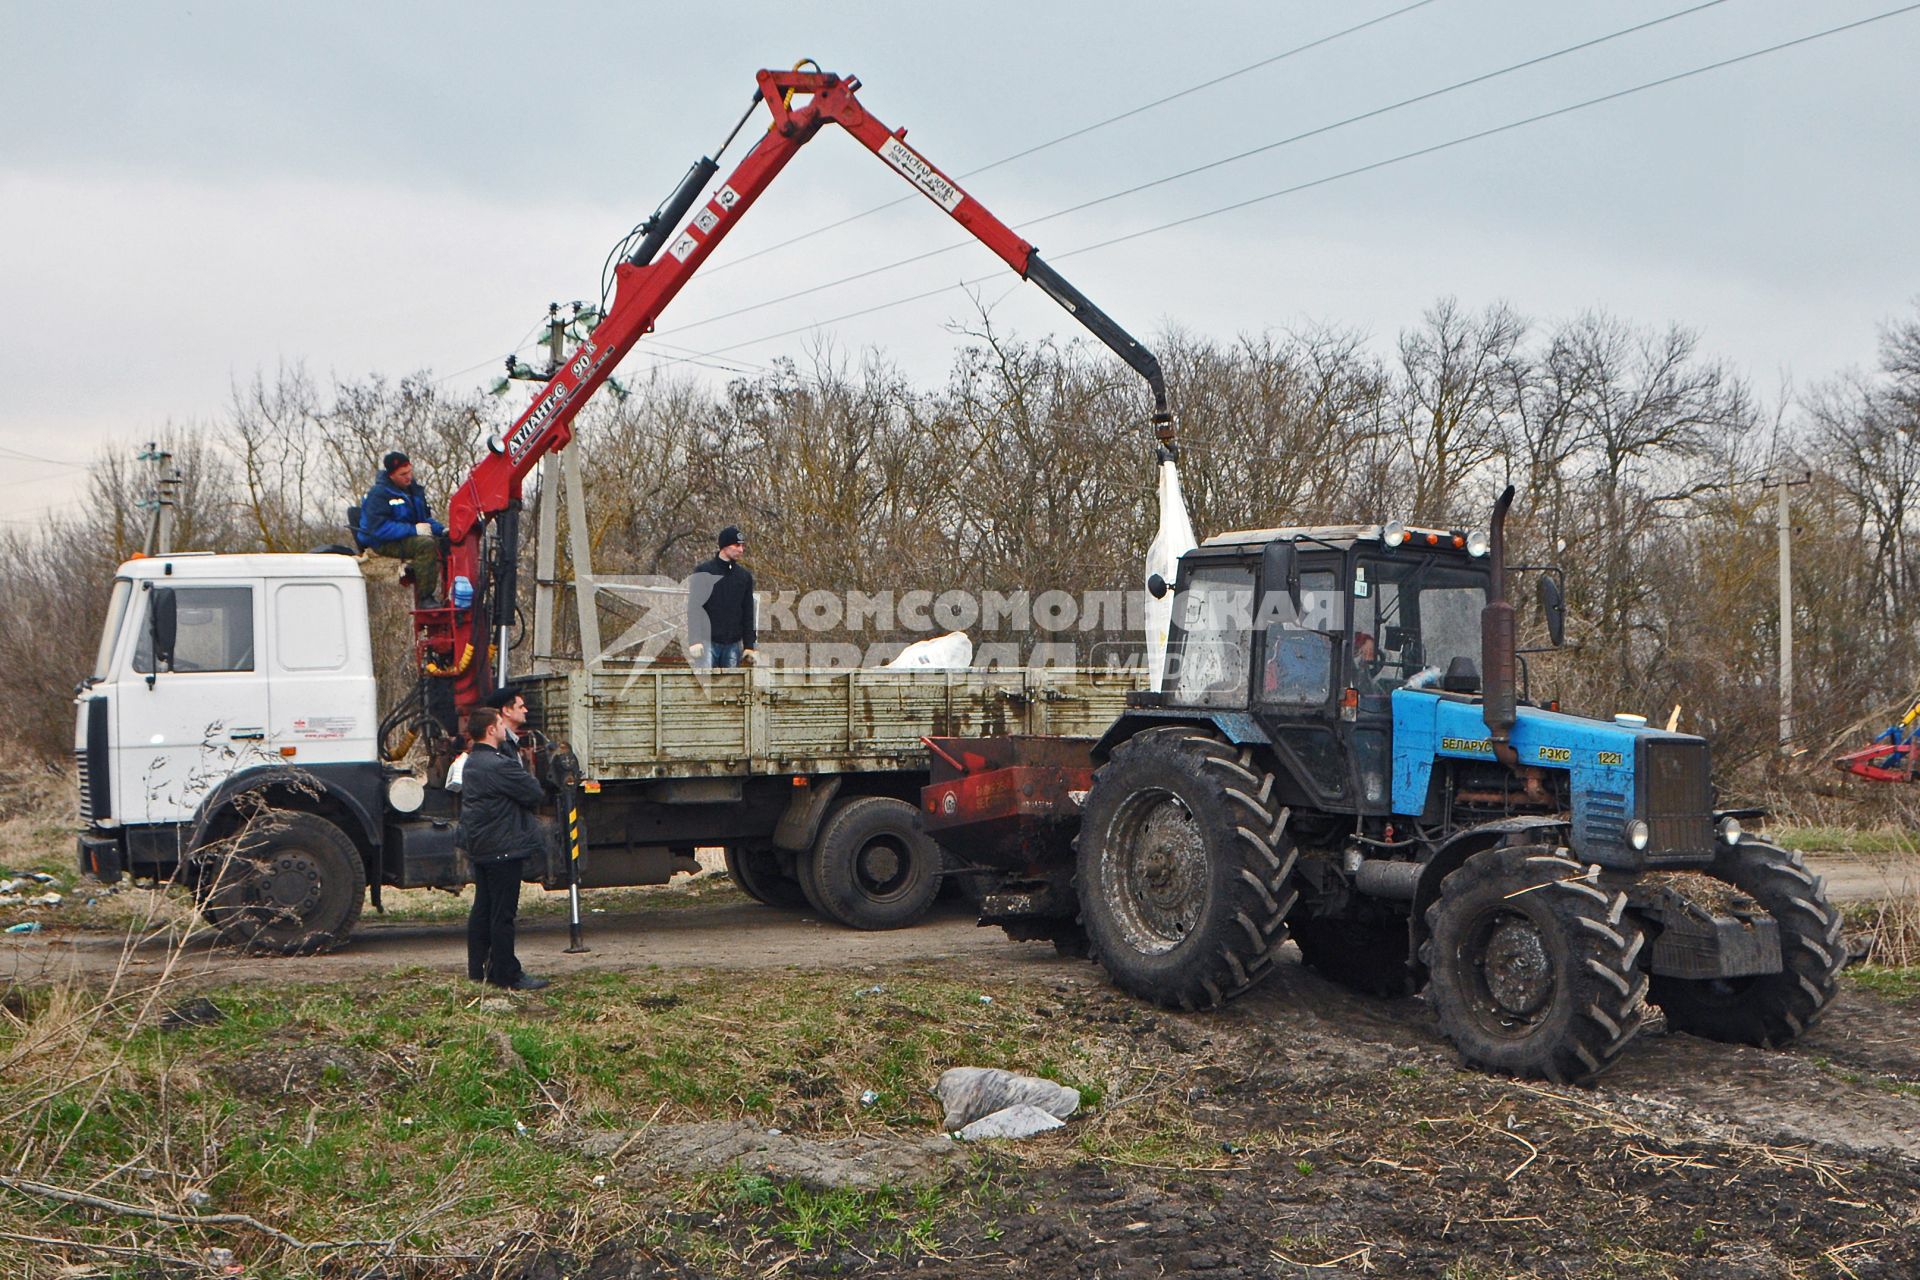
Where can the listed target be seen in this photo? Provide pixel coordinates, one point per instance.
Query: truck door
(323, 703)
(193, 722)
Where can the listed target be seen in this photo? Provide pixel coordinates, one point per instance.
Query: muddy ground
(1340, 1136)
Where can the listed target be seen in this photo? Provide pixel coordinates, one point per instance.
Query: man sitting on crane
(396, 521)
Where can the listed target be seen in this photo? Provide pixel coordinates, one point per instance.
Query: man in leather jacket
(497, 802)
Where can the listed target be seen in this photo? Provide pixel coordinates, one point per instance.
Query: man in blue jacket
(397, 522)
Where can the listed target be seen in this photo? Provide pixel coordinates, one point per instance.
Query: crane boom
(453, 640)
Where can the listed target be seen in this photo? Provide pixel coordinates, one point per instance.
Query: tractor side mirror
(1555, 609)
(1280, 564)
(163, 628)
(1157, 587)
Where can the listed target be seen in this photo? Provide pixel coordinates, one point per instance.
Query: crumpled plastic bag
(950, 652)
(1022, 1121)
(968, 1093)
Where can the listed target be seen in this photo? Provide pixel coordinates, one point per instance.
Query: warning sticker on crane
(923, 175)
(682, 247)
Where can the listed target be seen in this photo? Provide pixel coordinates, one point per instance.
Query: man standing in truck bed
(720, 607)
(396, 521)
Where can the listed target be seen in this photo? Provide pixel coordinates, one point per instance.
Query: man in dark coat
(720, 607)
(497, 803)
(396, 521)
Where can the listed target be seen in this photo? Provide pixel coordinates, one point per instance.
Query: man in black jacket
(497, 802)
(720, 607)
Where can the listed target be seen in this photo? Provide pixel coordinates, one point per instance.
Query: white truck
(229, 739)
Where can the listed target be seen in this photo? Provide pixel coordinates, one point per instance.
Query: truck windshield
(1410, 614)
(116, 614)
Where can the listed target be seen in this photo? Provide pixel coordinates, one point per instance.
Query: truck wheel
(873, 866)
(293, 884)
(1767, 1009)
(1533, 967)
(1183, 869)
(1365, 956)
(757, 872)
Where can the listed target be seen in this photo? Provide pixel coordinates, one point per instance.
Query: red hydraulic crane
(483, 514)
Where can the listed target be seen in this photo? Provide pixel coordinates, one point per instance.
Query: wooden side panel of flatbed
(672, 723)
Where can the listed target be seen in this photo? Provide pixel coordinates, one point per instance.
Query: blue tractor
(1340, 753)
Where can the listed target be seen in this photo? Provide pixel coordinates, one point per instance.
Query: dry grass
(1888, 930)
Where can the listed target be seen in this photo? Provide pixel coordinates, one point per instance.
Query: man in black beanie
(397, 521)
(720, 607)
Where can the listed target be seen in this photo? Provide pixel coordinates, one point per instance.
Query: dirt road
(728, 934)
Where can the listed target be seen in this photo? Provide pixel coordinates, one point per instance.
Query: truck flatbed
(629, 724)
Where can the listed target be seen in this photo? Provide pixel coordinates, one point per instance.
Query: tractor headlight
(1394, 533)
(1731, 830)
(1477, 544)
(1637, 834)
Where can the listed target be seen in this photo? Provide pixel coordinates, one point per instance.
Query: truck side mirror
(1157, 587)
(1280, 564)
(163, 628)
(1555, 609)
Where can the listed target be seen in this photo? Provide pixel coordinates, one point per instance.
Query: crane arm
(801, 103)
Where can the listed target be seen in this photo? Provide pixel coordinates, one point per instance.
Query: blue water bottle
(462, 592)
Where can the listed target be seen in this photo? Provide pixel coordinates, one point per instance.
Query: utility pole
(162, 500)
(560, 471)
(1783, 525)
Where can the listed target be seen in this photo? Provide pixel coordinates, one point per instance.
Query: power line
(6, 451)
(1497, 129)
(710, 272)
(1212, 164)
(1353, 172)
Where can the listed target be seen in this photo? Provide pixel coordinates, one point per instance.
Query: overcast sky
(193, 193)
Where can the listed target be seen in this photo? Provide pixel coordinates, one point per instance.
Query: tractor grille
(1676, 798)
(1603, 825)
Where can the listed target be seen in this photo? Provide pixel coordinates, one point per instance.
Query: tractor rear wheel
(1767, 1009)
(1533, 966)
(1184, 868)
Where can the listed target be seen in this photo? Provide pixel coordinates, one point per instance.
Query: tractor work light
(1637, 834)
(1731, 830)
(1477, 544)
(1394, 533)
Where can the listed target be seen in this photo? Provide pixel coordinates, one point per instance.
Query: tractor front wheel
(1767, 1009)
(1533, 966)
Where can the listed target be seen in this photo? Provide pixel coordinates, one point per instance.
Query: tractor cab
(1306, 632)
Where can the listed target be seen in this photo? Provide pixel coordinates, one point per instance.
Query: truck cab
(218, 675)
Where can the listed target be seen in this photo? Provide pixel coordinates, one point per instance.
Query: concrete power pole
(1783, 525)
(558, 470)
(162, 500)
